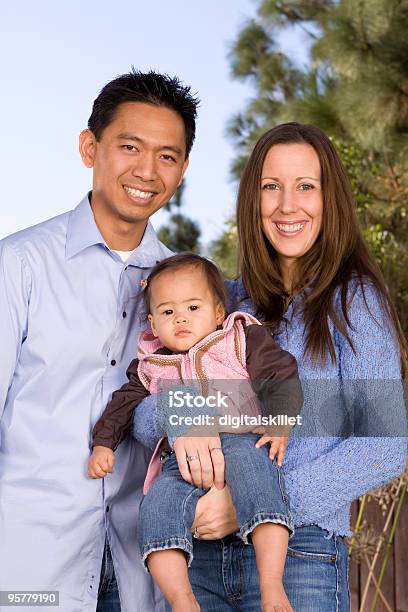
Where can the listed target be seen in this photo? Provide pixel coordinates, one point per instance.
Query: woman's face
(291, 200)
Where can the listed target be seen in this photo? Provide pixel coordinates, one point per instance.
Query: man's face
(137, 164)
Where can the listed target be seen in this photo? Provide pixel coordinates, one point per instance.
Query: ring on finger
(192, 458)
(196, 535)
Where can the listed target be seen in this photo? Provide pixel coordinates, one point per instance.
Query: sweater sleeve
(273, 373)
(116, 421)
(359, 464)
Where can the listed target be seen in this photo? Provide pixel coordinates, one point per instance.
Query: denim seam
(265, 517)
(227, 555)
(337, 566)
(194, 491)
(348, 579)
(166, 544)
(281, 486)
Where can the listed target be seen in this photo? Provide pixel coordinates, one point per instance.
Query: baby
(191, 342)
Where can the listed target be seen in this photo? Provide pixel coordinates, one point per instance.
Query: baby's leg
(165, 520)
(260, 499)
(169, 571)
(271, 543)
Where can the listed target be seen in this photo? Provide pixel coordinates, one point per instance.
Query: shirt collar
(150, 250)
(82, 232)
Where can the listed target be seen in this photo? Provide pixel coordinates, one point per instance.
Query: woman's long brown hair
(338, 255)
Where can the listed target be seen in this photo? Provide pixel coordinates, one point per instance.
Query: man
(70, 319)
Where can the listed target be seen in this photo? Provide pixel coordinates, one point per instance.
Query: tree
(181, 233)
(355, 87)
(224, 250)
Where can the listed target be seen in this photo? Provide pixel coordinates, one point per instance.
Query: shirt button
(124, 314)
(113, 362)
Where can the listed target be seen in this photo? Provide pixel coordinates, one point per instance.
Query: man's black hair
(149, 88)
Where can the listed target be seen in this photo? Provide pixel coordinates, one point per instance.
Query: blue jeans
(257, 490)
(108, 594)
(224, 574)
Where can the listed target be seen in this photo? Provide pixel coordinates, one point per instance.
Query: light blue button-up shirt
(70, 318)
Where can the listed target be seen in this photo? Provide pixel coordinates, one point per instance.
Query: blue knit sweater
(325, 468)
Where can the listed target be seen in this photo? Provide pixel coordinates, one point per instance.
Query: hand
(206, 466)
(278, 446)
(101, 462)
(215, 515)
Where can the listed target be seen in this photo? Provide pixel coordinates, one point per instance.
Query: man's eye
(168, 311)
(271, 187)
(169, 158)
(193, 307)
(129, 147)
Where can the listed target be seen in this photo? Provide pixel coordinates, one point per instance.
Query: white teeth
(146, 195)
(289, 228)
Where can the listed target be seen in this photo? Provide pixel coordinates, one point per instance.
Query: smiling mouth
(138, 193)
(290, 229)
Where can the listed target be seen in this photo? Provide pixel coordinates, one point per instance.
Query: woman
(306, 271)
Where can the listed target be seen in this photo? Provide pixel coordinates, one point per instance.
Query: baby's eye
(193, 307)
(270, 186)
(168, 312)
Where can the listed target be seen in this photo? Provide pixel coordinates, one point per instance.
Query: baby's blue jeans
(257, 490)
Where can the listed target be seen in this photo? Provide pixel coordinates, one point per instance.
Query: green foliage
(224, 250)
(354, 86)
(181, 233)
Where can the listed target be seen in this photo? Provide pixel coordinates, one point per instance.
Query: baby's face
(182, 308)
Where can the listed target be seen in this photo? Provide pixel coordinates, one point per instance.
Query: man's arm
(116, 420)
(15, 287)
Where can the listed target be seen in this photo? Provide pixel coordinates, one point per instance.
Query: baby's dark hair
(184, 260)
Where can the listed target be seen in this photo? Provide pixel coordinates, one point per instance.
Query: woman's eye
(306, 186)
(193, 307)
(271, 187)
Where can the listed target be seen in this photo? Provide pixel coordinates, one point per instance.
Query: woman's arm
(371, 383)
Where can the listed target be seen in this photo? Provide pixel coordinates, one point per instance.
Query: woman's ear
(151, 321)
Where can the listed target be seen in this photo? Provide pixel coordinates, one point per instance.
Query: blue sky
(57, 56)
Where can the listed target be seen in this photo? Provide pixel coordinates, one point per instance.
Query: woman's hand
(201, 460)
(101, 462)
(215, 515)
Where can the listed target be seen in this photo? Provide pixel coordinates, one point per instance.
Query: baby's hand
(101, 462)
(278, 446)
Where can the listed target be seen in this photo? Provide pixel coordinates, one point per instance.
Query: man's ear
(149, 316)
(219, 313)
(185, 166)
(87, 147)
